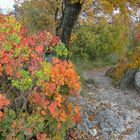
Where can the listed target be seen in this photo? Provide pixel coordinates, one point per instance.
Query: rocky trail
(107, 112)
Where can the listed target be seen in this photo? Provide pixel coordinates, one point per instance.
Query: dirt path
(99, 76)
(108, 113)
(105, 91)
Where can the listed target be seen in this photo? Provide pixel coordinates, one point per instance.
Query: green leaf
(12, 114)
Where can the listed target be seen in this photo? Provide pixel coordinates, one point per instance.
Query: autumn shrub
(36, 84)
(131, 60)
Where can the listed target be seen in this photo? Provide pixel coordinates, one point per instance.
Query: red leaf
(39, 49)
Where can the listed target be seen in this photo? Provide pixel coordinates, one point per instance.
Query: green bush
(98, 42)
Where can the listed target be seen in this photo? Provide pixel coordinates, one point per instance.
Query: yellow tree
(66, 12)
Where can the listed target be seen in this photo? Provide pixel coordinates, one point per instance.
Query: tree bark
(69, 17)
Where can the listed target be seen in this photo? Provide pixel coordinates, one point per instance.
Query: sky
(6, 4)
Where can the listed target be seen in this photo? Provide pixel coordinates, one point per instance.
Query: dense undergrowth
(98, 45)
(35, 84)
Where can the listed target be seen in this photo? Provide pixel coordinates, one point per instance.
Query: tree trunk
(69, 17)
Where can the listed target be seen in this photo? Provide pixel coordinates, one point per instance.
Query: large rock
(137, 81)
(128, 79)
